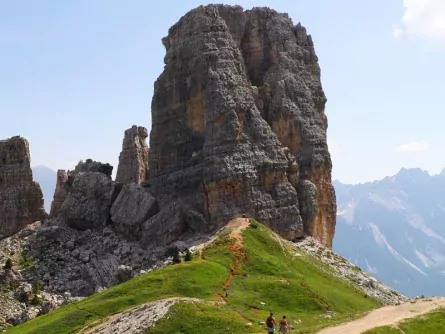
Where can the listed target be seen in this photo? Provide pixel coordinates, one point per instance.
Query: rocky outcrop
(60, 193)
(93, 166)
(84, 196)
(132, 207)
(88, 203)
(21, 198)
(238, 122)
(133, 160)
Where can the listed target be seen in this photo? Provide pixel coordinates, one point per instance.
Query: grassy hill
(258, 272)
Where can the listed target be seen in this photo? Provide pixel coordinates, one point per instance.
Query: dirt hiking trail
(237, 225)
(387, 316)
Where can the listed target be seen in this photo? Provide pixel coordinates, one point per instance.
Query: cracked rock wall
(238, 123)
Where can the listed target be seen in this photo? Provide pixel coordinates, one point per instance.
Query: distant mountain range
(395, 229)
(47, 179)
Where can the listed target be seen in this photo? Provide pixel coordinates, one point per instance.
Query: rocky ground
(68, 265)
(343, 269)
(138, 319)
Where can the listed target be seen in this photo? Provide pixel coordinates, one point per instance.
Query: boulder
(132, 207)
(169, 224)
(124, 273)
(23, 293)
(9, 278)
(47, 306)
(88, 204)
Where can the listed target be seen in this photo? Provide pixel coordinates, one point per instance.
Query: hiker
(271, 323)
(283, 325)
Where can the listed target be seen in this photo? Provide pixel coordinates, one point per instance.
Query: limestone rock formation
(238, 122)
(93, 166)
(132, 207)
(21, 198)
(133, 160)
(88, 192)
(88, 203)
(171, 223)
(60, 193)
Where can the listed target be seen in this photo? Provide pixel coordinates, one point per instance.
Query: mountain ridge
(397, 227)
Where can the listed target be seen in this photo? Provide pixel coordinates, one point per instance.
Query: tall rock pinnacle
(21, 198)
(238, 123)
(133, 160)
(60, 193)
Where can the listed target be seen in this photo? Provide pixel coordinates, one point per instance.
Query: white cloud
(425, 18)
(413, 146)
(397, 32)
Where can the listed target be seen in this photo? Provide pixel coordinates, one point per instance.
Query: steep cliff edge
(21, 198)
(238, 123)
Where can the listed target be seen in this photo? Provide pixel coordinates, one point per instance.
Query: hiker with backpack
(271, 323)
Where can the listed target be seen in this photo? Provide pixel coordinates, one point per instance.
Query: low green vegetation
(384, 330)
(25, 261)
(201, 318)
(188, 256)
(8, 264)
(433, 322)
(266, 276)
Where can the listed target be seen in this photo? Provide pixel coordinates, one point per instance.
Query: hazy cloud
(413, 146)
(397, 32)
(425, 18)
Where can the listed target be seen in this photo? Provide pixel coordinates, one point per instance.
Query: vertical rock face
(238, 123)
(133, 160)
(21, 198)
(60, 193)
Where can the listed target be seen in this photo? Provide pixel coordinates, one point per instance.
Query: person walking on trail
(271, 323)
(283, 325)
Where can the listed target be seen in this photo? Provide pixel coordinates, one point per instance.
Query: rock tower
(21, 198)
(238, 123)
(133, 160)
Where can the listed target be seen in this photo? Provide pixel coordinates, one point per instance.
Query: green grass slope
(259, 274)
(433, 322)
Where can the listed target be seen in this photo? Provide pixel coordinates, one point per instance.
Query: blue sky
(76, 74)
